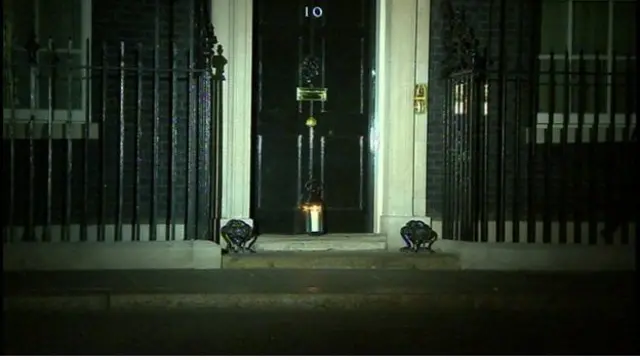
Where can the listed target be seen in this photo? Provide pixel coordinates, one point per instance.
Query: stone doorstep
(341, 260)
(333, 251)
(329, 242)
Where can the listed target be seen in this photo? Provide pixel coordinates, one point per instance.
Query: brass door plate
(420, 99)
(311, 94)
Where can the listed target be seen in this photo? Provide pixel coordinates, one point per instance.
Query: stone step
(341, 260)
(329, 242)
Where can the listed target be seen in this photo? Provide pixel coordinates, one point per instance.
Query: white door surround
(402, 58)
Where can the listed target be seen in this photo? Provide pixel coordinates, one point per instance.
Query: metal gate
(135, 157)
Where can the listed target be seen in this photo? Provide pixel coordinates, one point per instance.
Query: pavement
(318, 312)
(313, 289)
(297, 280)
(329, 332)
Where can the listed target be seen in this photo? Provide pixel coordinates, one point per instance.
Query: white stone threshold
(328, 242)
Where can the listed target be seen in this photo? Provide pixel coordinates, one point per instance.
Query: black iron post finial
(211, 49)
(32, 46)
(218, 62)
(209, 41)
(54, 59)
(461, 44)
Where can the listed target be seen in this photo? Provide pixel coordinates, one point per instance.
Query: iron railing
(123, 146)
(546, 157)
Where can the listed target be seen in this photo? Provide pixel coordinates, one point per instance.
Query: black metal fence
(121, 145)
(543, 157)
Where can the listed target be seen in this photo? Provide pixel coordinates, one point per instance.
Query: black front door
(324, 44)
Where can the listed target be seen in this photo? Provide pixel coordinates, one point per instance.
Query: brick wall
(133, 22)
(568, 181)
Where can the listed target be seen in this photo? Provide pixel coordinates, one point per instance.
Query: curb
(116, 302)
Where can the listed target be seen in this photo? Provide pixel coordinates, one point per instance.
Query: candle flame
(312, 208)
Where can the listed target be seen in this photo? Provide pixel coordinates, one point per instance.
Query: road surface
(291, 332)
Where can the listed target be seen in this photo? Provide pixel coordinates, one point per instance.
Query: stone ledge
(540, 257)
(199, 254)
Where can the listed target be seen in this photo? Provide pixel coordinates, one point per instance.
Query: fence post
(217, 67)
(173, 141)
(102, 210)
(582, 169)
(66, 224)
(9, 85)
(564, 136)
(548, 152)
(478, 156)
(88, 73)
(136, 233)
(52, 73)
(595, 150)
(155, 132)
(121, 139)
(214, 63)
(191, 213)
(32, 48)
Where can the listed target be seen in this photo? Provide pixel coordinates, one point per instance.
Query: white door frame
(402, 58)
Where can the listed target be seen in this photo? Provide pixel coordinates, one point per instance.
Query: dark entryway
(320, 44)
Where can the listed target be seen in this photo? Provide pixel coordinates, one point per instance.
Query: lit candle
(315, 219)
